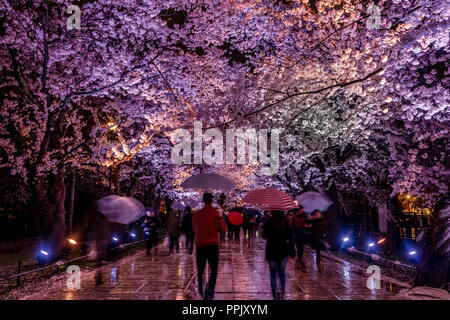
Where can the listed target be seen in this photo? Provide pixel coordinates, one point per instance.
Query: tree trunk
(50, 196)
(333, 218)
(116, 179)
(110, 180)
(434, 267)
(72, 200)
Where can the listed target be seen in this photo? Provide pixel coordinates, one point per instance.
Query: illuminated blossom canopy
(362, 95)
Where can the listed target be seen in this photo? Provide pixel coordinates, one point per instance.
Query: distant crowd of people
(285, 235)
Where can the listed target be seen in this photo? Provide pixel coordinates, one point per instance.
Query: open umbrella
(123, 210)
(311, 201)
(208, 181)
(146, 209)
(191, 203)
(238, 209)
(178, 205)
(235, 218)
(270, 199)
(181, 204)
(252, 212)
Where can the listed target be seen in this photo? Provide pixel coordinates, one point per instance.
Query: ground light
(73, 243)
(345, 242)
(413, 255)
(115, 241)
(43, 257)
(371, 246)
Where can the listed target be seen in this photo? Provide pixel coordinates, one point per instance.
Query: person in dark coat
(279, 246)
(258, 225)
(251, 224)
(223, 224)
(317, 234)
(188, 230)
(229, 227)
(236, 231)
(174, 231)
(151, 225)
(245, 226)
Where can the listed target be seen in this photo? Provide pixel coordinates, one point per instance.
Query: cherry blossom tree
(362, 97)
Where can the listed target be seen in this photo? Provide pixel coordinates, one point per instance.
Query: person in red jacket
(299, 226)
(207, 226)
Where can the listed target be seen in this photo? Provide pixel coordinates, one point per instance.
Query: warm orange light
(112, 126)
(72, 241)
(408, 196)
(381, 241)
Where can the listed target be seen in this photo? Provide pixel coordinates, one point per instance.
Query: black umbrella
(238, 209)
(252, 212)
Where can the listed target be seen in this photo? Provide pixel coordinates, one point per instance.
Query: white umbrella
(311, 201)
(178, 205)
(208, 181)
(191, 203)
(123, 210)
(183, 203)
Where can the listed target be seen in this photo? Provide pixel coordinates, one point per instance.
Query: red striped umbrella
(270, 199)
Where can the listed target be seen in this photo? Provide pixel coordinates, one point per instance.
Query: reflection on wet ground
(243, 274)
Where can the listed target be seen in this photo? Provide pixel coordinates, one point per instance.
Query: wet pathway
(243, 274)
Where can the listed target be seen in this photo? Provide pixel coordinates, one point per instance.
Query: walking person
(229, 227)
(299, 226)
(260, 224)
(245, 226)
(188, 229)
(251, 226)
(237, 232)
(174, 231)
(223, 224)
(317, 235)
(151, 225)
(279, 246)
(207, 227)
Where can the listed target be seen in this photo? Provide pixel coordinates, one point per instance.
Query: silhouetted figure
(317, 234)
(151, 226)
(299, 228)
(188, 230)
(174, 231)
(279, 246)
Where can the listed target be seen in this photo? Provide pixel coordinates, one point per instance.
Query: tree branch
(270, 105)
